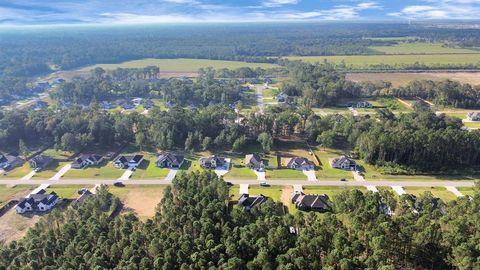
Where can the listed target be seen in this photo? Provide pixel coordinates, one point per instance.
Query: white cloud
(441, 9)
(278, 3)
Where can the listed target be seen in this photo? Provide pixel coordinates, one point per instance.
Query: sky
(46, 12)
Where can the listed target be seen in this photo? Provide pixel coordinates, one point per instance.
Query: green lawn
(467, 191)
(331, 191)
(420, 48)
(239, 172)
(148, 169)
(182, 64)
(51, 171)
(326, 172)
(285, 174)
(439, 192)
(366, 61)
(18, 172)
(105, 171)
(274, 192)
(57, 154)
(8, 193)
(472, 124)
(68, 192)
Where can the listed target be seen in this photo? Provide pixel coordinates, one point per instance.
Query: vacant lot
(104, 171)
(68, 192)
(420, 48)
(366, 61)
(330, 191)
(181, 65)
(141, 200)
(14, 226)
(8, 193)
(148, 169)
(438, 192)
(403, 78)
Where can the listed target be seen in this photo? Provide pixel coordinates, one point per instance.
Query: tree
(69, 142)
(266, 140)
(206, 143)
(327, 138)
(22, 146)
(239, 143)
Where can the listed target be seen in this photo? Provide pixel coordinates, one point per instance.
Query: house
(42, 86)
(137, 101)
(40, 105)
(305, 202)
(59, 81)
(9, 161)
(300, 163)
(169, 160)
(147, 104)
(86, 160)
(473, 116)
(282, 97)
(212, 162)
(105, 105)
(128, 106)
(40, 201)
(343, 162)
(360, 104)
(82, 198)
(40, 162)
(254, 162)
(250, 201)
(124, 162)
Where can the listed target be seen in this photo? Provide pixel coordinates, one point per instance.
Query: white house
(40, 201)
(86, 160)
(124, 162)
(343, 162)
(473, 116)
(300, 163)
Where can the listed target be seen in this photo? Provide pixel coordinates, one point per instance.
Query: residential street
(260, 98)
(251, 182)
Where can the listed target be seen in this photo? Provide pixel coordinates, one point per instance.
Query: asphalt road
(251, 182)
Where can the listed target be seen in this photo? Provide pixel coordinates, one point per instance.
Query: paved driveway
(171, 174)
(310, 175)
(29, 176)
(454, 190)
(260, 175)
(243, 189)
(35, 191)
(399, 190)
(224, 170)
(62, 171)
(126, 175)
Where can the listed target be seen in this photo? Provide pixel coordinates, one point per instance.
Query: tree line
(195, 227)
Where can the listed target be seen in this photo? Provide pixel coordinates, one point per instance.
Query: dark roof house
(169, 160)
(41, 201)
(305, 202)
(82, 198)
(300, 163)
(40, 162)
(212, 162)
(9, 161)
(343, 162)
(124, 162)
(255, 162)
(250, 201)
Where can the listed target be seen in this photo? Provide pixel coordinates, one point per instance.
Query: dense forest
(195, 228)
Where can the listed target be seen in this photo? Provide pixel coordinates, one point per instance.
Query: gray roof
(173, 159)
(300, 161)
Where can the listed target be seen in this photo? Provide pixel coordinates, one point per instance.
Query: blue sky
(40, 12)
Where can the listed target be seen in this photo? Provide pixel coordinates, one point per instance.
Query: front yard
(438, 192)
(326, 172)
(104, 171)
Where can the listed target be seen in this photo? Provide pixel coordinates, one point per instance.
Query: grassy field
(403, 78)
(139, 199)
(365, 61)
(392, 38)
(371, 173)
(285, 174)
(57, 154)
(466, 191)
(148, 170)
(51, 171)
(181, 65)
(239, 171)
(330, 191)
(18, 172)
(8, 193)
(326, 172)
(439, 192)
(420, 48)
(475, 125)
(68, 192)
(104, 171)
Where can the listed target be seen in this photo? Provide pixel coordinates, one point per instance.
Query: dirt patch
(143, 201)
(403, 78)
(14, 226)
(286, 197)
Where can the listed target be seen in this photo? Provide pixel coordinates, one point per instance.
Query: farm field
(366, 61)
(420, 48)
(403, 78)
(139, 199)
(439, 192)
(180, 65)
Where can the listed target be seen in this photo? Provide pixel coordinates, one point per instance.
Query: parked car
(118, 184)
(264, 184)
(81, 191)
(343, 179)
